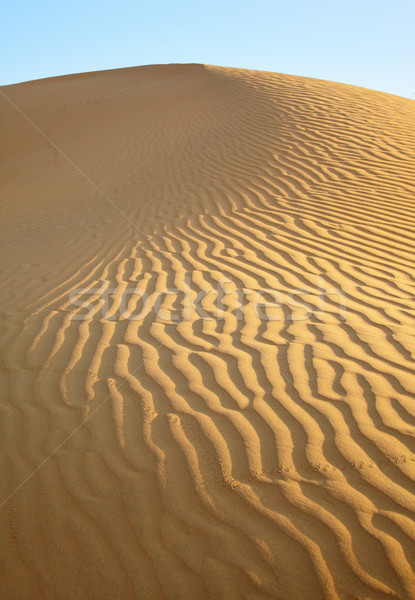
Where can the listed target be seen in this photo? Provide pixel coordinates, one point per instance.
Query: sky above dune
(370, 44)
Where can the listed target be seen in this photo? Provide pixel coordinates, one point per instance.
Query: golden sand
(218, 450)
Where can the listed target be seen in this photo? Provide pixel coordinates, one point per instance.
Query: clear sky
(370, 43)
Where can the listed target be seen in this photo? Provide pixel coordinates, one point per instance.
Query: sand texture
(250, 435)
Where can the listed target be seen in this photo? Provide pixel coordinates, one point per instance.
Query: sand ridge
(212, 453)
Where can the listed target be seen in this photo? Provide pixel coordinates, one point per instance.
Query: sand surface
(250, 435)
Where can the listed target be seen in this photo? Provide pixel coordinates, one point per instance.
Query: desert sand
(250, 435)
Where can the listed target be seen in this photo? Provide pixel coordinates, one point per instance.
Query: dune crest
(233, 415)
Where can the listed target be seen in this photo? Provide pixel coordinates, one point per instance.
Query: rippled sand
(234, 416)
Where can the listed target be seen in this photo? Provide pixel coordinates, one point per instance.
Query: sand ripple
(222, 455)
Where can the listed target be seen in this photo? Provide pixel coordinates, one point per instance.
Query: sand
(233, 416)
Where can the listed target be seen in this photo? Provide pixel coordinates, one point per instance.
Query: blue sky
(367, 43)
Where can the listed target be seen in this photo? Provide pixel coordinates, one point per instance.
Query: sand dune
(234, 416)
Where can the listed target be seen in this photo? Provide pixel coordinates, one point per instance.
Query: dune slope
(233, 415)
